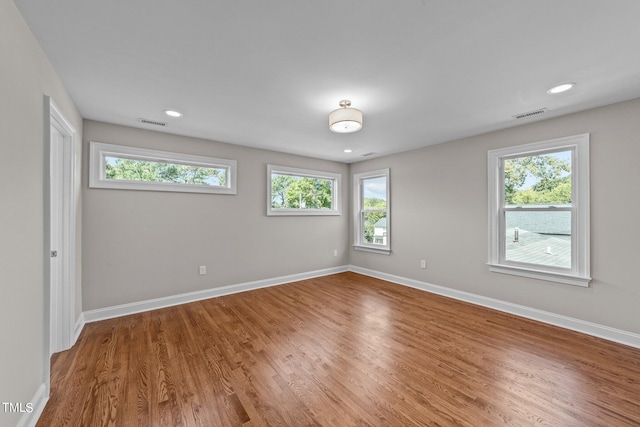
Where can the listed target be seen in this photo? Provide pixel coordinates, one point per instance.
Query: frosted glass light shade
(345, 120)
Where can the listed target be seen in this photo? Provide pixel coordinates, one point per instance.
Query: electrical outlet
(203, 270)
(423, 263)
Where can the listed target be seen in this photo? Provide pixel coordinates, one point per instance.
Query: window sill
(302, 212)
(541, 275)
(159, 186)
(383, 251)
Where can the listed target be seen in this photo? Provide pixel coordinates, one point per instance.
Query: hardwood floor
(341, 350)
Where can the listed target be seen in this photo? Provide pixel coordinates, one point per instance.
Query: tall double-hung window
(372, 223)
(539, 210)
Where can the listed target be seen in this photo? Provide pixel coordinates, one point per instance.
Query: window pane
(149, 171)
(539, 237)
(371, 200)
(375, 193)
(538, 180)
(301, 192)
(375, 227)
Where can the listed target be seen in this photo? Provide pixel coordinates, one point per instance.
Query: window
(539, 210)
(293, 191)
(129, 168)
(372, 221)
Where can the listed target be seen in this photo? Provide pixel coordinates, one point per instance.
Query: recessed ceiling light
(348, 150)
(560, 88)
(173, 113)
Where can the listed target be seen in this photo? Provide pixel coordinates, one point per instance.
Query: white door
(56, 191)
(62, 232)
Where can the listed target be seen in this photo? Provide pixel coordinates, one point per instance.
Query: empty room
(336, 213)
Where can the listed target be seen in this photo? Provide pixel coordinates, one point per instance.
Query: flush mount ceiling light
(345, 119)
(560, 88)
(173, 113)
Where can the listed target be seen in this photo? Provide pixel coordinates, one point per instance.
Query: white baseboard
(39, 400)
(594, 329)
(153, 304)
(78, 329)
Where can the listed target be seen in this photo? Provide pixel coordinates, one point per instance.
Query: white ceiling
(267, 73)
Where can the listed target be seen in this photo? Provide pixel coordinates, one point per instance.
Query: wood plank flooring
(340, 350)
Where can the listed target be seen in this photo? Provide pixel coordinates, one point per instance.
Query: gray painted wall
(439, 213)
(25, 77)
(140, 245)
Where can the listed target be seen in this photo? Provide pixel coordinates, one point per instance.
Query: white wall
(439, 213)
(140, 245)
(25, 77)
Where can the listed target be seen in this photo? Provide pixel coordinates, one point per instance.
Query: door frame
(59, 298)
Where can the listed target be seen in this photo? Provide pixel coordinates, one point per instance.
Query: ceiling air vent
(530, 113)
(152, 122)
(368, 154)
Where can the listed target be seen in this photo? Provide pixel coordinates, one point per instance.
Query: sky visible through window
(375, 188)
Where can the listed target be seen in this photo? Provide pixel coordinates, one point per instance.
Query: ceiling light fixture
(173, 113)
(345, 119)
(560, 88)
(348, 150)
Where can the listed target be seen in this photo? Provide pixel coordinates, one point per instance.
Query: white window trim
(285, 170)
(579, 273)
(100, 151)
(358, 238)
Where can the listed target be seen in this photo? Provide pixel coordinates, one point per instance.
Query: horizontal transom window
(293, 191)
(130, 168)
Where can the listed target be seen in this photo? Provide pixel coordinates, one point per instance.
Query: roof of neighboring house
(537, 248)
(554, 222)
(382, 223)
